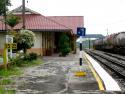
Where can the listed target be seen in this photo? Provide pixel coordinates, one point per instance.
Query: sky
(100, 16)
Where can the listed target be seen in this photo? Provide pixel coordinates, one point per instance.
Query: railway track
(114, 62)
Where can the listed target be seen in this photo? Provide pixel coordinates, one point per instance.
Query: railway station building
(47, 29)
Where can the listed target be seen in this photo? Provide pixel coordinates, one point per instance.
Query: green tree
(25, 40)
(12, 20)
(64, 45)
(4, 3)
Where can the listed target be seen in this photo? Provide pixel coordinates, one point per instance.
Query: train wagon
(112, 43)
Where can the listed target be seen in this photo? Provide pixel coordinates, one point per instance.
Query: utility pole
(5, 16)
(23, 13)
(5, 53)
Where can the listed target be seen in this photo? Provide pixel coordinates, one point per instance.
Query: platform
(96, 79)
(82, 83)
(57, 76)
(109, 84)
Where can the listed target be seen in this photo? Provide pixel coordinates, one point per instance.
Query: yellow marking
(11, 45)
(14, 45)
(5, 58)
(98, 79)
(80, 73)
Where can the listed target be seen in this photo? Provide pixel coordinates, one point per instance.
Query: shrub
(30, 57)
(33, 56)
(64, 45)
(25, 39)
(23, 59)
(17, 61)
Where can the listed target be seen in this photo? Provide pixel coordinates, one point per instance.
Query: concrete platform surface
(57, 76)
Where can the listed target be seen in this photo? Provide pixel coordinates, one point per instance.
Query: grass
(17, 70)
(14, 70)
(5, 82)
(10, 71)
(4, 91)
(32, 63)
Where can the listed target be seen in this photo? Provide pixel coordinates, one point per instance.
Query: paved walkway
(56, 76)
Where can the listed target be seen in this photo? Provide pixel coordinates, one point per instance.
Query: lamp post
(23, 13)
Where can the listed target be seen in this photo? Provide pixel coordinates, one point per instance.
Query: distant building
(89, 39)
(47, 29)
(96, 36)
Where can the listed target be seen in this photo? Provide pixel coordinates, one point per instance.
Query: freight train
(112, 43)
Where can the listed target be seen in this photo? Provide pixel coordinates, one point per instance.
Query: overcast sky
(100, 16)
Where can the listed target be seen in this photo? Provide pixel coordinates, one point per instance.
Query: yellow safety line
(98, 79)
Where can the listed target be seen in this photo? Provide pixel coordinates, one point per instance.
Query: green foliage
(33, 56)
(25, 40)
(64, 45)
(33, 63)
(26, 60)
(4, 91)
(30, 57)
(10, 71)
(17, 61)
(12, 20)
(2, 6)
(5, 82)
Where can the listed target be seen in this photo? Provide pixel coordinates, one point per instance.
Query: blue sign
(81, 31)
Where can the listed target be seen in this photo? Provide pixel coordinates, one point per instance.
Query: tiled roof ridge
(25, 8)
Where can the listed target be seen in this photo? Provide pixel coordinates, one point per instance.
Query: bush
(25, 40)
(17, 61)
(23, 59)
(64, 45)
(33, 56)
(30, 57)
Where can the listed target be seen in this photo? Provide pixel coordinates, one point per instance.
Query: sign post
(5, 58)
(80, 33)
(8, 45)
(9, 39)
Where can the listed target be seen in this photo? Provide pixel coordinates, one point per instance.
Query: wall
(47, 43)
(2, 42)
(37, 48)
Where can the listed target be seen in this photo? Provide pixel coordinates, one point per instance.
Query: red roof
(38, 22)
(69, 21)
(35, 21)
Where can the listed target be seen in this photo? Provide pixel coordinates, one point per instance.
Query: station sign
(81, 31)
(11, 45)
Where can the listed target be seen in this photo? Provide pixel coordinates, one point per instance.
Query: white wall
(2, 40)
(38, 42)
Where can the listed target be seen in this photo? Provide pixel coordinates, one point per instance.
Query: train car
(119, 40)
(112, 43)
(98, 44)
(108, 42)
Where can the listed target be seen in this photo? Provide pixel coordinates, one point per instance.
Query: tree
(25, 40)
(64, 45)
(12, 20)
(3, 6)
